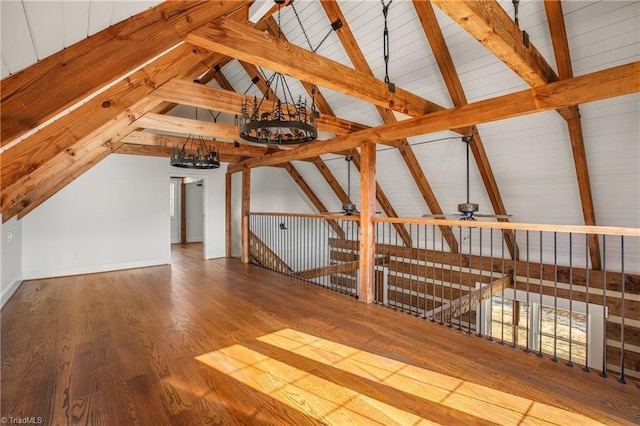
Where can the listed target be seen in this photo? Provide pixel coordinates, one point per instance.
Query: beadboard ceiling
(33, 30)
(531, 156)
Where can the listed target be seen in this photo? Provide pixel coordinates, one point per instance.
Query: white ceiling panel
(99, 15)
(75, 16)
(5, 71)
(46, 25)
(125, 9)
(17, 47)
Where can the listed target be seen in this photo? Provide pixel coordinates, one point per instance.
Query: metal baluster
(587, 343)
(409, 311)
(622, 284)
(461, 260)
(433, 278)
(470, 279)
(479, 314)
(490, 314)
(441, 278)
(515, 313)
(528, 331)
(604, 306)
(426, 282)
(540, 305)
(570, 362)
(555, 297)
(397, 274)
(450, 325)
(502, 292)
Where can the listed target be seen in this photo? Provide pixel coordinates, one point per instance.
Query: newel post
(367, 228)
(246, 204)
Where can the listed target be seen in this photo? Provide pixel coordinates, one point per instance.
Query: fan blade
(439, 216)
(497, 216)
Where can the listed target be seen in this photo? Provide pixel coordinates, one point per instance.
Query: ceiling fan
(467, 211)
(348, 209)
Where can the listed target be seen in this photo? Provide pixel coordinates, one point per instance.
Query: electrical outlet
(9, 236)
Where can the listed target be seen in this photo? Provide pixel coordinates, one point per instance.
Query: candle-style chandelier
(195, 153)
(282, 120)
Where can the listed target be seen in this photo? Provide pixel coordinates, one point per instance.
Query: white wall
(11, 257)
(115, 216)
(272, 190)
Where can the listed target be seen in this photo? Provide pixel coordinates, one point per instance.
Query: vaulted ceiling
(554, 123)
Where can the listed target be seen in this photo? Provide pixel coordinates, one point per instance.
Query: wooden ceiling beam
(488, 23)
(36, 187)
(82, 68)
(616, 81)
(169, 123)
(250, 45)
(555, 18)
(169, 141)
(431, 28)
(188, 93)
(23, 158)
(165, 152)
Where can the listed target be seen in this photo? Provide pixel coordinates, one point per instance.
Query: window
(561, 329)
(172, 199)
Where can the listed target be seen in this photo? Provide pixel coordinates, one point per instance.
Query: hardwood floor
(219, 342)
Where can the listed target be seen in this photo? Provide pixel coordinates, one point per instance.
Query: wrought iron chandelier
(195, 153)
(280, 121)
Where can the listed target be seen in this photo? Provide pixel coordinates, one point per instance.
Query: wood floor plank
(221, 342)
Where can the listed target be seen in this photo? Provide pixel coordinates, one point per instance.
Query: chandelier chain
(304, 32)
(385, 39)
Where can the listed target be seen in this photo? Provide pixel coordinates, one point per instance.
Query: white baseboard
(6, 295)
(91, 269)
(194, 239)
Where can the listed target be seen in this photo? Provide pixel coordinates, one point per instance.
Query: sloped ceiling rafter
(555, 18)
(360, 64)
(432, 30)
(488, 22)
(82, 68)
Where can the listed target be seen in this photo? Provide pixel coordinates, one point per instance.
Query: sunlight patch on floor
(314, 396)
(333, 403)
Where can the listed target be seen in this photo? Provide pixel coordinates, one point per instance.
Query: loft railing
(548, 301)
(298, 245)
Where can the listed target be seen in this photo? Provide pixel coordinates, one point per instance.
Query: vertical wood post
(183, 211)
(246, 198)
(227, 215)
(367, 230)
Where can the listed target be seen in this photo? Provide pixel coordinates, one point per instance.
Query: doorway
(187, 210)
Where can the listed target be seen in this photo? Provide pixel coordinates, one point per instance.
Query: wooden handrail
(582, 229)
(309, 215)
